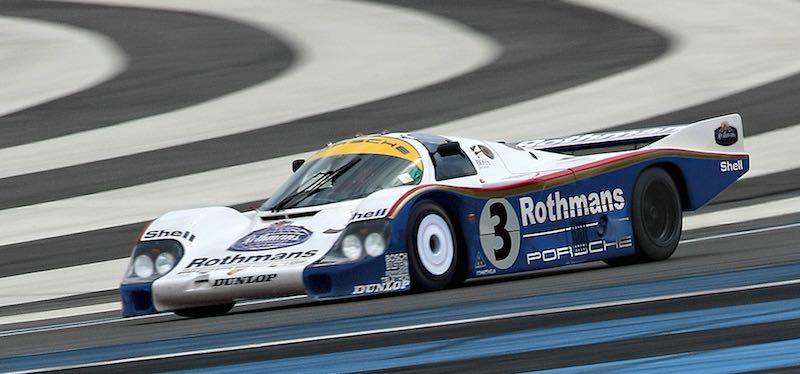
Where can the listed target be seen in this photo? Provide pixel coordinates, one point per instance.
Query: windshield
(349, 170)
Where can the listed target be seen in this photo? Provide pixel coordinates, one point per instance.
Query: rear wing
(720, 134)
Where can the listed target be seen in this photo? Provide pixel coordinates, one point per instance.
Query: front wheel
(656, 216)
(431, 247)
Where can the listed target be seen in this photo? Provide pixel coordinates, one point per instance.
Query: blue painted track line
(765, 356)
(572, 298)
(525, 341)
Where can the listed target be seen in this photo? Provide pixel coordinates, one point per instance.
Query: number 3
(499, 233)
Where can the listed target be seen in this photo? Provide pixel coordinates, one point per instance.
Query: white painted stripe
(742, 214)
(144, 202)
(57, 313)
(421, 326)
(92, 309)
(52, 284)
(349, 53)
(773, 152)
(718, 48)
(41, 61)
(741, 233)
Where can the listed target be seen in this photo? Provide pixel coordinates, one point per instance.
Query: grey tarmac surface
(712, 256)
(624, 349)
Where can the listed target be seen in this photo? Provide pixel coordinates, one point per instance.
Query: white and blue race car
(402, 211)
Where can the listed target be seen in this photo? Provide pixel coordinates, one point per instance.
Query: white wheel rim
(435, 244)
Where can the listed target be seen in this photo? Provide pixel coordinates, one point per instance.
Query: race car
(395, 212)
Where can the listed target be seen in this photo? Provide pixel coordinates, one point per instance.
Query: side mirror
(449, 149)
(296, 164)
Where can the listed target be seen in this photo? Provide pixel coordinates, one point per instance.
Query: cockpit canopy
(347, 170)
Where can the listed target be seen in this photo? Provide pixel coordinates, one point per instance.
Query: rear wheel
(205, 311)
(432, 247)
(656, 216)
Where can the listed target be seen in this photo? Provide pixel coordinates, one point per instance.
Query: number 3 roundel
(499, 233)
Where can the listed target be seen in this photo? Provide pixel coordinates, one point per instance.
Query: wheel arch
(451, 203)
(448, 201)
(678, 177)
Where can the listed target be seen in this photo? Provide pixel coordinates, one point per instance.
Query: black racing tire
(432, 248)
(205, 311)
(656, 216)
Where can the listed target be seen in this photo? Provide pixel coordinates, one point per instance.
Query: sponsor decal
(246, 261)
(481, 149)
(480, 152)
(499, 233)
(278, 235)
(727, 166)
(168, 234)
(389, 142)
(577, 250)
(395, 278)
(378, 213)
(556, 207)
(237, 281)
(726, 134)
(479, 263)
(601, 137)
(381, 145)
(485, 272)
(397, 285)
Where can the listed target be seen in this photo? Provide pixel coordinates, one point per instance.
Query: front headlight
(165, 262)
(374, 244)
(360, 239)
(351, 247)
(143, 266)
(153, 259)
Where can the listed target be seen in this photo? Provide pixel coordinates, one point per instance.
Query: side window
(453, 166)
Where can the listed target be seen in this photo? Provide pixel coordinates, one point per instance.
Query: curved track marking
(69, 281)
(339, 65)
(720, 47)
(564, 56)
(233, 185)
(41, 61)
(92, 211)
(772, 152)
(175, 59)
(773, 208)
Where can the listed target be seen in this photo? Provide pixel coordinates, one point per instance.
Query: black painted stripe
(548, 46)
(176, 59)
(766, 186)
(75, 249)
(764, 108)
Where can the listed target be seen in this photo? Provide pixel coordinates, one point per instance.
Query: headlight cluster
(152, 259)
(366, 238)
